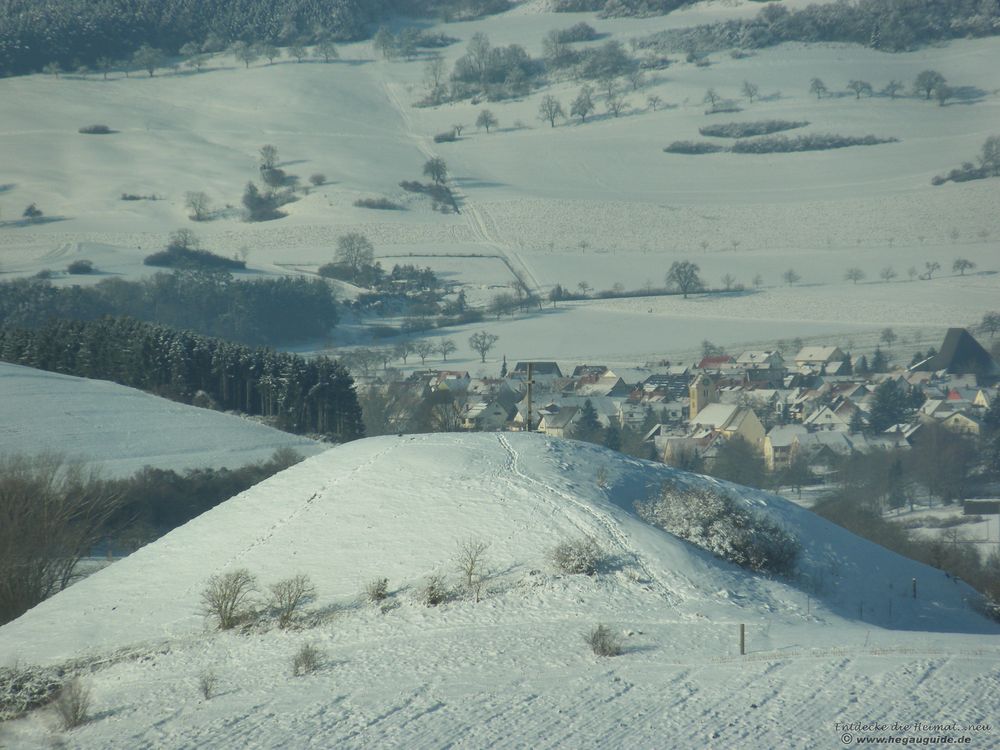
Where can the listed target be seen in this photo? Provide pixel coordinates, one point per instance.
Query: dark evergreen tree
(738, 461)
(587, 426)
(890, 405)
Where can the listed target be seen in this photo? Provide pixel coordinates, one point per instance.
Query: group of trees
(926, 84)
(257, 312)
(880, 24)
(71, 33)
(989, 165)
(314, 396)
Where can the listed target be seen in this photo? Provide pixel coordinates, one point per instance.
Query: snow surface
(120, 430)
(845, 641)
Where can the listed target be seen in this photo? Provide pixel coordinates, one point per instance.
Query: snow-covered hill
(121, 430)
(846, 640)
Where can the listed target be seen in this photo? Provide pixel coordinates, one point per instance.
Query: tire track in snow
(602, 519)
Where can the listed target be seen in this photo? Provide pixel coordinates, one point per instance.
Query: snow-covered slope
(511, 670)
(121, 430)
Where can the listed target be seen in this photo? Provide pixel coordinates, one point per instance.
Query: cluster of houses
(812, 405)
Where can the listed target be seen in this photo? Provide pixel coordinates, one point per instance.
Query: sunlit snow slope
(511, 670)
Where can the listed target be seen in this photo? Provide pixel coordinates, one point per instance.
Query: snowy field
(598, 202)
(843, 642)
(120, 430)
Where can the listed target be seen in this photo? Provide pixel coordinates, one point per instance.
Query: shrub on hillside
(580, 32)
(95, 130)
(722, 107)
(693, 147)
(25, 688)
(228, 598)
(81, 266)
(579, 556)
(307, 659)
(434, 591)
(72, 705)
(777, 144)
(383, 204)
(719, 524)
(603, 642)
(747, 129)
(186, 257)
(377, 590)
(446, 137)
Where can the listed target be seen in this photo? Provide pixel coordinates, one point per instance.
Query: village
(812, 409)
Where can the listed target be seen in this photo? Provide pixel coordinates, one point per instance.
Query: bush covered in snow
(434, 591)
(575, 556)
(746, 129)
(693, 147)
(721, 525)
(23, 689)
(779, 144)
(72, 705)
(603, 642)
(377, 590)
(306, 660)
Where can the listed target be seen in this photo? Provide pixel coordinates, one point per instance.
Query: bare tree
(470, 561)
(51, 515)
(790, 277)
(854, 274)
(268, 156)
(446, 347)
(436, 169)
(990, 323)
(148, 58)
(550, 109)
(328, 50)
(482, 342)
(653, 101)
(487, 120)
(424, 349)
(198, 204)
(926, 81)
(962, 265)
(892, 88)
(859, 88)
(711, 98)
(289, 596)
(402, 350)
(887, 274)
(245, 53)
(931, 266)
(727, 281)
(637, 78)
(434, 77)
(816, 86)
(583, 105)
(271, 52)
(684, 276)
(298, 51)
(227, 598)
(615, 105)
(355, 250)
(888, 337)
(750, 90)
